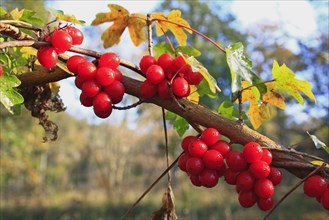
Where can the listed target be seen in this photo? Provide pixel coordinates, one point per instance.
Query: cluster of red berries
(317, 187)
(61, 40)
(207, 158)
(167, 71)
(100, 85)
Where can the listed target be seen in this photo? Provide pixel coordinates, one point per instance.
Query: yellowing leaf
(69, 18)
(174, 23)
(194, 95)
(15, 14)
(27, 51)
(286, 81)
(54, 87)
(272, 97)
(319, 163)
(121, 19)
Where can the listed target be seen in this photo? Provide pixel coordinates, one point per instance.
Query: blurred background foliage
(96, 171)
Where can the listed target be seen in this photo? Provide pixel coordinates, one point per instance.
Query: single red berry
(75, 33)
(267, 156)
(165, 61)
(146, 62)
(221, 171)
(87, 70)
(247, 199)
(315, 185)
(180, 87)
(245, 181)
(73, 62)
(208, 178)
(111, 60)
(275, 175)
(1, 70)
(252, 152)
(91, 88)
(193, 78)
(182, 161)
(230, 176)
(212, 159)
(260, 169)
(78, 82)
(103, 114)
(187, 141)
(325, 199)
(195, 180)
(265, 204)
(61, 41)
(194, 165)
(210, 136)
(148, 90)
(197, 148)
(180, 65)
(236, 161)
(264, 188)
(105, 76)
(163, 90)
(155, 74)
(47, 57)
(116, 91)
(102, 102)
(118, 75)
(85, 100)
(222, 147)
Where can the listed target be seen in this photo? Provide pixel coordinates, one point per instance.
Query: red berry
(1, 70)
(163, 90)
(193, 78)
(155, 74)
(264, 188)
(267, 156)
(61, 41)
(197, 148)
(182, 161)
(47, 57)
(165, 61)
(208, 178)
(187, 141)
(275, 175)
(315, 185)
(194, 165)
(85, 100)
(78, 82)
(245, 181)
(102, 102)
(221, 171)
(148, 89)
(325, 199)
(73, 62)
(146, 62)
(118, 75)
(116, 91)
(195, 180)
(180, 87)
(103, 114)
(210, 136)
(87, 70)
(75, 33)
(222, 147)
(111, 60)
(252, 152)
(247, 199)
(180, 64)
(236, 161)
(91, 88)
(260, 169)
(230, 176)
(212, 159)
(265, 204)
(105, 76)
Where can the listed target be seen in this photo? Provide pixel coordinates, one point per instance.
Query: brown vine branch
(134, 105)
(14, 32)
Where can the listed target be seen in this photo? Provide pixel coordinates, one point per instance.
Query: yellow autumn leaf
(319, 163)
(194, 95)
(28, 51)
(272, 97)
(136, 29)
(15, 14)
(69, 18)
(174, 23)
(285, 80)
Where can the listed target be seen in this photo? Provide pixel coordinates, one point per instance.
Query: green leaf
(170, 115)
(2, 12)
(29, 16)
(164, 47)
(9, 97)
(318, 144)
(181, 125)
(191, 51)
(204, 89)
(226, 109)
(240, 67)
(285, 80)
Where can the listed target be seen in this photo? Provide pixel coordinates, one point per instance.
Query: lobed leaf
(136, 31)
(9, 97)
(180, 123)
(29, 16)
(273, 97)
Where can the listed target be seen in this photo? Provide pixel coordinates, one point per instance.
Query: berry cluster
(316, 186)
(61, 40)
(207, 158)
(167, 71)
(101, 85)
